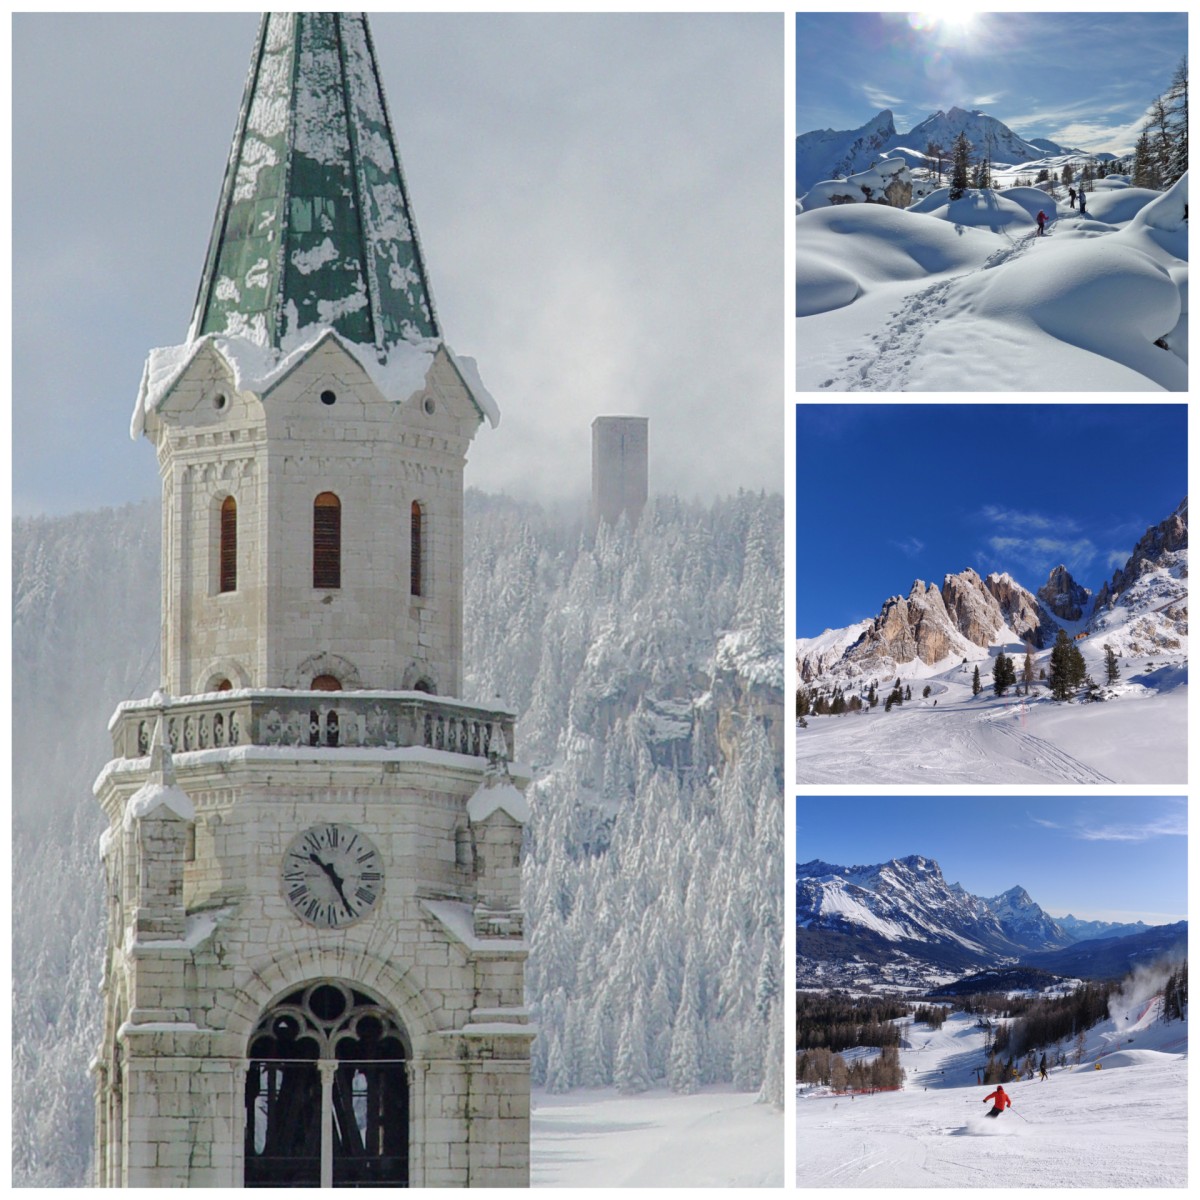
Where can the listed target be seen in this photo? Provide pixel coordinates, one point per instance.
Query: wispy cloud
(1116, 558)
(1046, 552)
(1171, 825)
(910, 547)
(1083, 126)
(880, 98)
(987, 101)
(1168, 825)
(1016, 519)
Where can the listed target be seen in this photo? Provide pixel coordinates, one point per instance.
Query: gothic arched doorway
(327, 1093)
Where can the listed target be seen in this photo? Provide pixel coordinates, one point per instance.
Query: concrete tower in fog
(620, 478)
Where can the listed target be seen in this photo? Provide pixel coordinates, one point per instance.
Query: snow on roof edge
(256, 368)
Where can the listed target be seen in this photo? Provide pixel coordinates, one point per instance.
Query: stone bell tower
(316, 950)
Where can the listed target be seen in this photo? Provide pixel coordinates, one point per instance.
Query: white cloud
(910, 546)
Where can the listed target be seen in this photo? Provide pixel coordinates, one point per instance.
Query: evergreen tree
(908, 691)
(1176, 104)
(975, 684)
(937, 154)
(1068, 174)
(872, 696)
(1027, 672)
(960, 154)
(1145, 169)
(631, 1070)
(1112, 672)
(1067, 667)
(1004, 674)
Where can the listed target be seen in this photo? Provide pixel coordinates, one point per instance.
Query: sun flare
(948, 25)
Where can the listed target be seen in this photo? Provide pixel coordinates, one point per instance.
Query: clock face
(332, 875)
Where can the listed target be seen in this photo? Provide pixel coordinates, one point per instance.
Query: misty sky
(1082, 79)
(598, 198)
(1101, 858)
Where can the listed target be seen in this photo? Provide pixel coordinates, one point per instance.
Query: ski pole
(1013, 1110)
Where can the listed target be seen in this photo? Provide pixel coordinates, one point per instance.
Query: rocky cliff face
(1063, 596)
(1021, 611)
(932, 623)
(1157, 548)
(916, 626)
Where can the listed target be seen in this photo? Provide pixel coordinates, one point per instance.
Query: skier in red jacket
(1002, 1101)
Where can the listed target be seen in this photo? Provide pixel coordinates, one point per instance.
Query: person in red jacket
(1041, 220)
(1002, 1101)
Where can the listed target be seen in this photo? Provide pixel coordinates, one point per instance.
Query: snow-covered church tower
(316, 949)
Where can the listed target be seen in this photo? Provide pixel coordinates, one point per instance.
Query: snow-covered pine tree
(960, 154)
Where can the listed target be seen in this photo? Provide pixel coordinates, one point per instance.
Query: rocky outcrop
(1021, 611)
(1063, 596)
(887, 182)
(1156, 548)
(932, 623)
(973, 609)
(916, 626)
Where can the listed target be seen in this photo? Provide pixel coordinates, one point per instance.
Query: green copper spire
(314, 227)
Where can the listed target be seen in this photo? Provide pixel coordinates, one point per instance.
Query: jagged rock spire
(314, 226)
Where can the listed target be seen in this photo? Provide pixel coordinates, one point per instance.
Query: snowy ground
(1124, 1125)
(964, 295)
(599, 1138)
(1138, 737)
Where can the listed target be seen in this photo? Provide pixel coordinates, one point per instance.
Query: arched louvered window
(416, 550)
(327, 541)
(229, 544)
(326, 683)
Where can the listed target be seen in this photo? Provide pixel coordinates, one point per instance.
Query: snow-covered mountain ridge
(907, 901)
(830, 153)
(1142, 608)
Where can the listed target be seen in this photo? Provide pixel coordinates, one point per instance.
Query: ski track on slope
(955, 746)
(1037, 751)
(885, 367)
(1122, 1126)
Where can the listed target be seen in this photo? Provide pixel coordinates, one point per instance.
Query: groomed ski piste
(1124, 1125)
(963, 295)
(952, 736)
(595, 1137)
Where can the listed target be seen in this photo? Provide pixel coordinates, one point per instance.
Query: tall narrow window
(327, 541)
(229, 544)
(416, 558)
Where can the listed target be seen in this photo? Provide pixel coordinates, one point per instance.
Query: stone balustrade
(329, 720)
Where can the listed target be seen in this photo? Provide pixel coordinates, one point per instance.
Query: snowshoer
(1041, 219)
(1002, 1101)
(1072, 197)
(1082, 204)
(1042, 1067)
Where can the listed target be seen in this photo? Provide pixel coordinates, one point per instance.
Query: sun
(953, 26)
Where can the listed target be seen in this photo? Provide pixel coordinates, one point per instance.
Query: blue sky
(1098, 857)
(891, 492)
(1083, 79)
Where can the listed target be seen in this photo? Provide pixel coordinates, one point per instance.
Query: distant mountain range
(1141, 610)
(903, 911)
(834, 154)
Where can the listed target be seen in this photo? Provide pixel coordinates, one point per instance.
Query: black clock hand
(334, 878)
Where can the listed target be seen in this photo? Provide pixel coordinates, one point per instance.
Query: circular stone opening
(429, 405)
(220, 400)
(328, 397)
